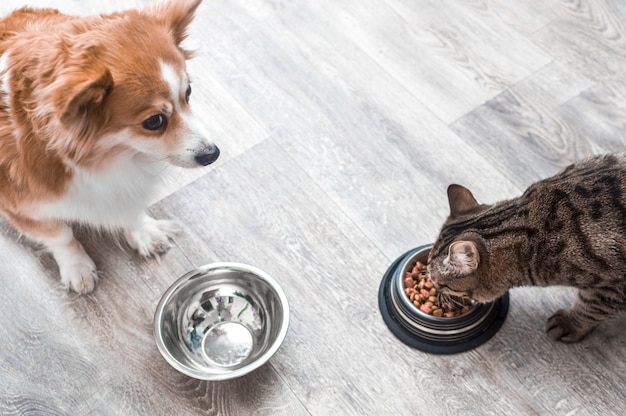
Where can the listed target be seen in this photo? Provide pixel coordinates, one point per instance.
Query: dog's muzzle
(208, 155)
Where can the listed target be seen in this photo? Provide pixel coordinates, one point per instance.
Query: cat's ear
(463, 255)
(460, 199)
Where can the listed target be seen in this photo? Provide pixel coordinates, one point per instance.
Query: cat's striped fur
(567, 230)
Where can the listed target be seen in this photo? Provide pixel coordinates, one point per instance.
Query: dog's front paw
(79, 274)
(153, 237)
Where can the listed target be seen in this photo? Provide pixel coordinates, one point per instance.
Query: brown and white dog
(91, 111)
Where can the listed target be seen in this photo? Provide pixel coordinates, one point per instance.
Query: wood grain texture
(588, 37)
(341, 125)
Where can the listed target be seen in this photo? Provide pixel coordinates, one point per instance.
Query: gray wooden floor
(341, 123)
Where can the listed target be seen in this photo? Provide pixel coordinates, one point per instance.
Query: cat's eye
(188, 94)
(460, 286)
(155, 122)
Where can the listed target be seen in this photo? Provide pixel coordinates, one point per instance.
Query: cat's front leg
(571, 325)
(151, 237)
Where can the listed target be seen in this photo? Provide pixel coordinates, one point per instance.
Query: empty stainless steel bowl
(221, 321)
(438, 335)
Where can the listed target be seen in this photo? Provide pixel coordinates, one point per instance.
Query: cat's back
(579, 216)
(598, 179)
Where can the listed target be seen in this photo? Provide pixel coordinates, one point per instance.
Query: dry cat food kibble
(420, 291)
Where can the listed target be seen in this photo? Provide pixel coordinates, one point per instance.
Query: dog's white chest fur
(111, 198)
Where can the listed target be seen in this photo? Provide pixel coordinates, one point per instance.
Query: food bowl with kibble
(221, 321)
(421, 317)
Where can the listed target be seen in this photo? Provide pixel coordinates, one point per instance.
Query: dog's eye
(188, 94)
(155, 122)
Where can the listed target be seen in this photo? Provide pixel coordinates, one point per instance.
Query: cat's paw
(153, 237)
(79, 273)
(561, 327)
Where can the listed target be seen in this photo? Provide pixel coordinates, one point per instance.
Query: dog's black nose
(208, 155)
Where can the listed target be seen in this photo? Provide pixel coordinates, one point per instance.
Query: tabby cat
(567, 230)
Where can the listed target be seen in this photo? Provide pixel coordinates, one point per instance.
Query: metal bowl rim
(197, 273)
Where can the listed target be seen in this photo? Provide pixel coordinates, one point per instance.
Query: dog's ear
(176, 15)
(85, 94)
